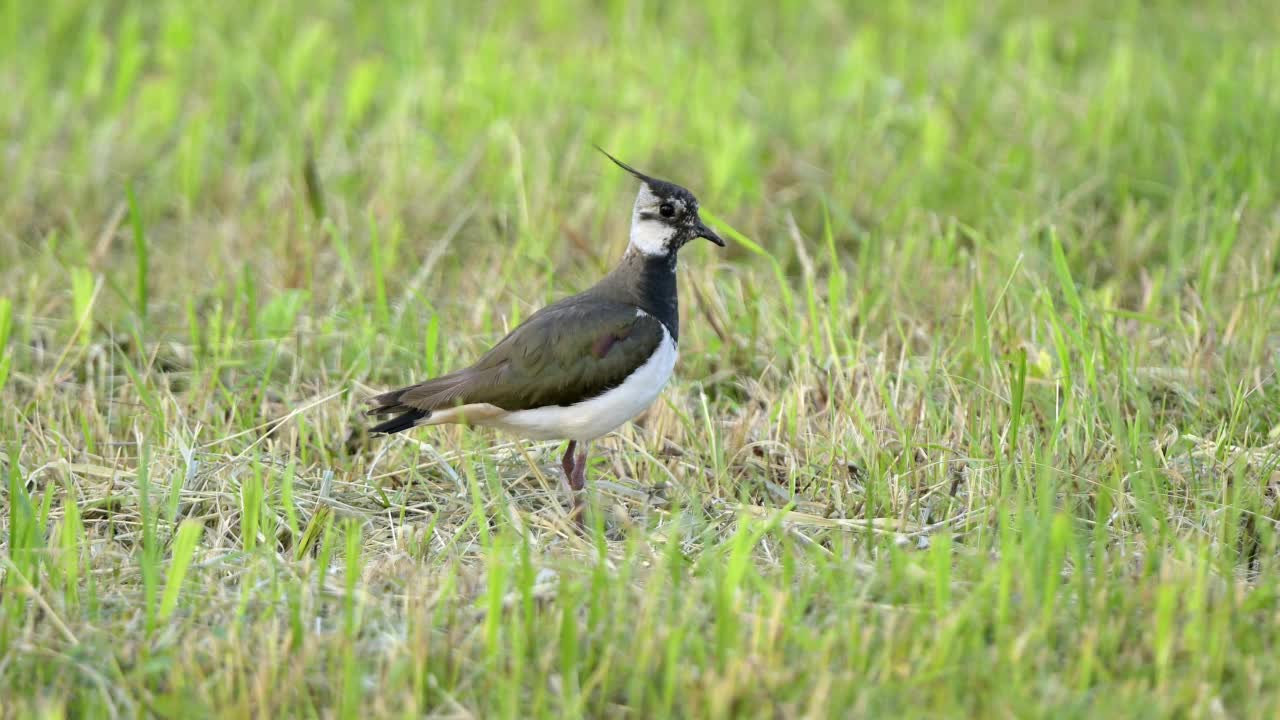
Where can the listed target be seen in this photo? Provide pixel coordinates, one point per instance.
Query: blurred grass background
(977, 415)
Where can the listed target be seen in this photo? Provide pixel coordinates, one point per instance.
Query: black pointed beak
(703, 231)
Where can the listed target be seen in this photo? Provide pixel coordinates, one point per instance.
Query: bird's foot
(578, 513)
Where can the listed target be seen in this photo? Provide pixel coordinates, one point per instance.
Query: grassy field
(977, 416)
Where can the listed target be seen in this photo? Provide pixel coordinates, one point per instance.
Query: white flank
(473, 414)
(650, 237)
(598, 416)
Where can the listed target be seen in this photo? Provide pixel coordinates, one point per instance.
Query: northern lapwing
(581, 367)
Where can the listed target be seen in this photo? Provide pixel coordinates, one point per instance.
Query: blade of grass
(184, 546)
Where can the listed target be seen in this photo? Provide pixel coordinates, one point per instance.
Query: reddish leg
(566, 462)
(578, 481)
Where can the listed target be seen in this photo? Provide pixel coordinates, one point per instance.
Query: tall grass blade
(184, 546)
(142, 257)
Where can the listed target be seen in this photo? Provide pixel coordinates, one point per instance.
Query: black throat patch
(649, 283)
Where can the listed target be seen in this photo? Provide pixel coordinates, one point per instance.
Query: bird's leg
(580, 471)
(566, 462)
(578, 481)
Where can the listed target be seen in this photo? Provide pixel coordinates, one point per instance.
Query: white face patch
(649, 236)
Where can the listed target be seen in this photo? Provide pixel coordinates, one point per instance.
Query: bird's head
(665, 216)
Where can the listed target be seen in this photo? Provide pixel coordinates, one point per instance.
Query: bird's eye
(667, 210)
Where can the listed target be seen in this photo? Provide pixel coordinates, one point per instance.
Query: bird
(583, 366)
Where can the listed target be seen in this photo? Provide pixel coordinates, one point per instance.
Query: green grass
(977, 416)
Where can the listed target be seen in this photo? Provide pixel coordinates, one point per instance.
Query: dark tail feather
(386, 403)
(399, 422)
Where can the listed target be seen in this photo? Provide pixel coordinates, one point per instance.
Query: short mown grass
(977, 416)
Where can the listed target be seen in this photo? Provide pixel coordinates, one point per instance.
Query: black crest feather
(624, 166)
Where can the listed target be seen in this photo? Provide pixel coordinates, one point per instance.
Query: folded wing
(563, 354)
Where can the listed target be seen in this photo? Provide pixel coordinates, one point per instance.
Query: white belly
(598, 416)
